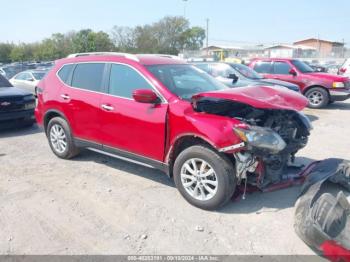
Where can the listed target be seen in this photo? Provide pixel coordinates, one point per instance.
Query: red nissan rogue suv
(163, 113)
(320, 88)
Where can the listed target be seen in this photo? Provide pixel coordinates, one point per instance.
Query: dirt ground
(95, 204)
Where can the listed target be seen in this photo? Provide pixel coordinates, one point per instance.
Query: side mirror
(234, 77)
(293, 72)
(145, 96)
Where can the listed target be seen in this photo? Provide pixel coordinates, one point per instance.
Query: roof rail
(126, 55)
(163, 55)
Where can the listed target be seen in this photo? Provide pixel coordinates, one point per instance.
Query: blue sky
(231, 21)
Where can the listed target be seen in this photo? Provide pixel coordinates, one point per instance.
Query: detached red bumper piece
(322, 219)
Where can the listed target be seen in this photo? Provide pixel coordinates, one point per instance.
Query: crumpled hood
(266, 97)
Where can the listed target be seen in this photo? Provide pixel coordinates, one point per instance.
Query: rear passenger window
(124, 80)
(88, 76)
(263, 67)
(64, 73)
(281, 68)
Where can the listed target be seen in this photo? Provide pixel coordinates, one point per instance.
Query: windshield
(39, 75)
(4, 82)
(302, 67)
(246, 71)
(185, 80)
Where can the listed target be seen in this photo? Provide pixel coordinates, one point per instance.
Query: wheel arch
(186, 141)
(314, 86)
(51, 114)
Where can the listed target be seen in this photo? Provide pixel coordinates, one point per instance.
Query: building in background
(290, 51)
(324, 48)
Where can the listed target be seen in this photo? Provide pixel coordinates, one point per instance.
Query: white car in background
(28, 80)
(344, 70)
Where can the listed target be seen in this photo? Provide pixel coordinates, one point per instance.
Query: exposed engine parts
(273, 138)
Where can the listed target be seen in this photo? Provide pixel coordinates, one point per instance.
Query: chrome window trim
(164, 101)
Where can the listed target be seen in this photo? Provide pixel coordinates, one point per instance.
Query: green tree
(145, 39)
(123, 38)
(5, 51)
(168, 32)
(88, 41)
(192, 38)
(18, 53)
(102, 42)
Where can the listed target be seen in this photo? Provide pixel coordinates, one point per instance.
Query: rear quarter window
(64, 73)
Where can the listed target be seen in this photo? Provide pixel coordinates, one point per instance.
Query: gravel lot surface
(96, 204)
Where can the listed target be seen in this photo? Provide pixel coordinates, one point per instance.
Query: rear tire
(215, 182)
(60, 138)
(318, 97)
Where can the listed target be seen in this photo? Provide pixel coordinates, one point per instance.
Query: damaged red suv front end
(164, 113)
(271, 129)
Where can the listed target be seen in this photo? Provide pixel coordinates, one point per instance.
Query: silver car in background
(28, 80)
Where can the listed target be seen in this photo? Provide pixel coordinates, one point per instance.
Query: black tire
(70, 150)
(318, 97)
(225, 174)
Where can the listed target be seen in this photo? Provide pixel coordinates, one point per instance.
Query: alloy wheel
(199, 179)
(58, 138)
(315, 98)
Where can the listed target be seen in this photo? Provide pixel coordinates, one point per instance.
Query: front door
(128, 125)
(281, 71)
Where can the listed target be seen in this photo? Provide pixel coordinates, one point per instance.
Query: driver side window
(281, 68)
(124, 80)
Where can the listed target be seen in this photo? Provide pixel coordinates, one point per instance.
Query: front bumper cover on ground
(322, 220)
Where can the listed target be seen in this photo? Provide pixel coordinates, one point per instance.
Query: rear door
(81, 99)
(264, 68)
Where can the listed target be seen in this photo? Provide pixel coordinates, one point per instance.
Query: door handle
(107, 107)
(65, 97)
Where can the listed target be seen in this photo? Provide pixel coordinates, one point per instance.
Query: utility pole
(185, 1)
(207, 33)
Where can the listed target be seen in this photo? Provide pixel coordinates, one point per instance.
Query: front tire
(318, 97)
(60, 138)
(205, 178)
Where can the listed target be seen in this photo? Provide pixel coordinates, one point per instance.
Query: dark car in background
(16, 106)
(239, 75)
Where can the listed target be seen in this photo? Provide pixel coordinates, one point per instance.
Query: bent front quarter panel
(215, 130)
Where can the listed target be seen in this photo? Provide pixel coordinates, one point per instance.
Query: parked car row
(239, 75)
(10, 70)
(320, 88)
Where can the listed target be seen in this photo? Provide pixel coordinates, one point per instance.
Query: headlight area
(261, 138)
